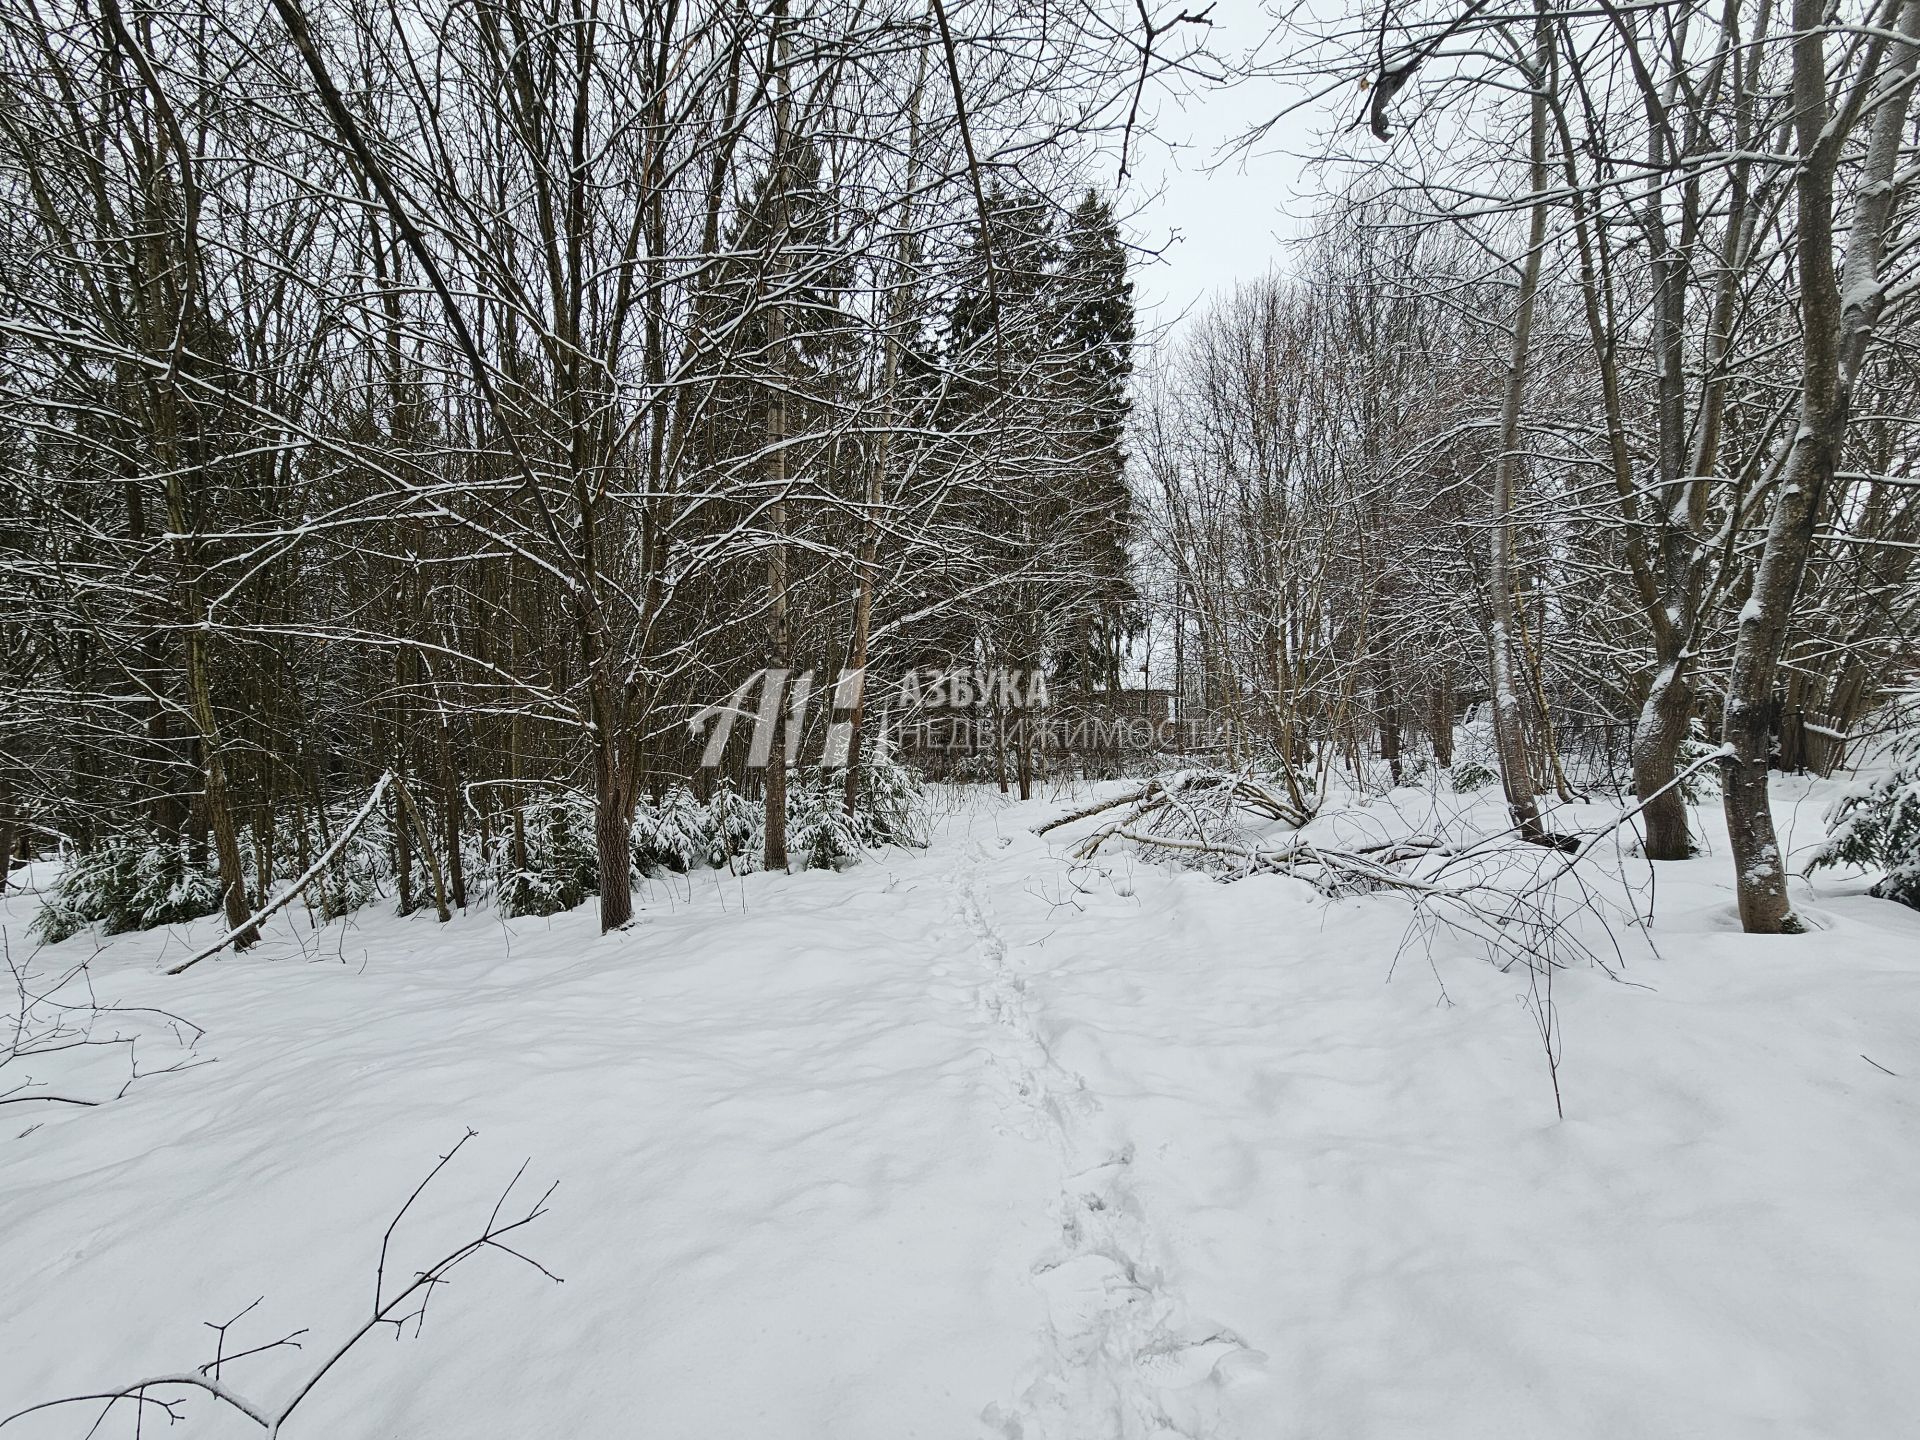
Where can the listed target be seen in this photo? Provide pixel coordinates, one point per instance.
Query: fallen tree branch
(1368, 863)
(407, 1304)
(1087, 812)
(294, 891)
(1230, 789)
(42, 1025)
(55, 1099)
(1203, 801)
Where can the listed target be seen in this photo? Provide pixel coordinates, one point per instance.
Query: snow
(979, 1143)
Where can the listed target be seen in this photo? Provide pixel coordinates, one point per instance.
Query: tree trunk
(418, 823)
(517, 850)
(612, 830)
(402, 849)
(263, 849)
(780, 637)
(1389, 712)
(1441, 721)
(8, 827)
(1516, 771)
(1000, 738)
(1661, 732)
(197, 827)
(219, 809)
(877, 470)
(450, 818)
(218, 806)
(1837, 321)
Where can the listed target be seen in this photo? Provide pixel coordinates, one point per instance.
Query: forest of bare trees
(673, 583)
(1591, 400)
(479, 394)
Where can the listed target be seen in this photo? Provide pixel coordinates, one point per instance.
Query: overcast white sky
(1227, 216)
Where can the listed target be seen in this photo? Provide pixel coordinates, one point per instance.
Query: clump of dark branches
(1192, 805)
(56, 1025)
(397, 1305)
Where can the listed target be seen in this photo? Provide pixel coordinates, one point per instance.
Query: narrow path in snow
(1116, 1354)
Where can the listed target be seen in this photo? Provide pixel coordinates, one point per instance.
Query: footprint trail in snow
(1118, 1358)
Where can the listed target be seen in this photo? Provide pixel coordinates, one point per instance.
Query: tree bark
(1662, 730)
(1837, 315)
(219, 808)
(8, 826)
(779, 624)
(1509, 724)
(1441, 721)
(419, 824)
(450, 816)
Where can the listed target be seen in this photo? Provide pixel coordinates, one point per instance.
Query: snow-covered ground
(979, 1143)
